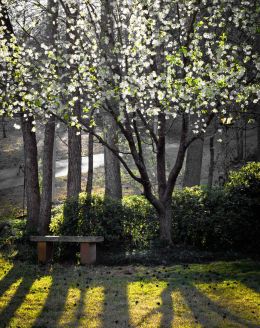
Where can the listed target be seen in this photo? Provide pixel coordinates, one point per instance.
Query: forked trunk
(165, 218)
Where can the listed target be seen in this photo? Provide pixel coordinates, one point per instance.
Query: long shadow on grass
(205, 310)
(55, 302)
(16, 273)
(165, 308)
(116, 311)
(114, 305)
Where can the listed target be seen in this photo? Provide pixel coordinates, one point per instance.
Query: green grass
(220, 294)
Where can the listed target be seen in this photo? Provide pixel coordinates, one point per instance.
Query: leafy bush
(131, 223)
(224, 218)
(246, 180)
(140, 221)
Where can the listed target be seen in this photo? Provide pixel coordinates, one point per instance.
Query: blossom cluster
(127, 57)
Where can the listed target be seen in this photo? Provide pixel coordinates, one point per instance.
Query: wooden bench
(87, 246)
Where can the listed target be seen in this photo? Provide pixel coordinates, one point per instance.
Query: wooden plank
(68, 239)
(87, 253)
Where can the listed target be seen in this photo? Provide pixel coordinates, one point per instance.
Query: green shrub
(188, 216)
(224, 218)
(246, 180)
(131, 223)
(140, 222)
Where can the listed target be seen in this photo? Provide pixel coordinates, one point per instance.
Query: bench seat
(87, 246)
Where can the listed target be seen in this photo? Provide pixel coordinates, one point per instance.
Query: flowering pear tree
(175, 59)
(142, 64)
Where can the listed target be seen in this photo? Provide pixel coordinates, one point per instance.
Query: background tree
(49, 135)
(13, 91)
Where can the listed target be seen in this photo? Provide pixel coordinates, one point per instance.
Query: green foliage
(225, 218)
(131, 223)
(222, 218)
(12, 231)
(140, 222)
(246, 180)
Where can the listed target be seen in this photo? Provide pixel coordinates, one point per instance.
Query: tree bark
(3, 127)
(113, 185)
(240, 141)
(47, 175)
(211, 161)
(258, 133)
(49, 137)
(74, 134)
(90, 164)
(31, 174)
(165, 218)
(74, 163)
(193, 163)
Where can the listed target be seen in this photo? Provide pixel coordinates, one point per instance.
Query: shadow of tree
(55, 302)
(206, 311)
(116, 299)
(16, 273)
(118, 292)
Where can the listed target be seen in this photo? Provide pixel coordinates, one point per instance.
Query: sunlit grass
(183, 315)
(94, 305)
(8, 295)
(222, 294)
(70, 309)
(33, 302)
(144, 302)
(236, 297)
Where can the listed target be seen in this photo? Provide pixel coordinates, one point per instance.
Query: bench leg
(87, 253)
(45, 250)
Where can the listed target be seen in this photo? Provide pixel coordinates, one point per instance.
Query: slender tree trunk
(74, 134)
(211, 161)
(3, 127)
(165, 218)
(257, 45)
(74, 162)
(113, 185)
(258, 134)
(49, 137)
(240, 142)
(193, 163)
(90, 164)
(46, 198)
(31, 173)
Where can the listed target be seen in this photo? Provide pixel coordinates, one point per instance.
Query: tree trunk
(31, 174)
(193, 163)
(3, 127)
(113, 186)
(74, 163)
(258, 134)
(240, 142)
(90, 164)
(211, 161)
(49, 137)
(74, 135)
(165, 218)
(47, 175)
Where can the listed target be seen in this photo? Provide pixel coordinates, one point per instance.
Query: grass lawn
(220, 294)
